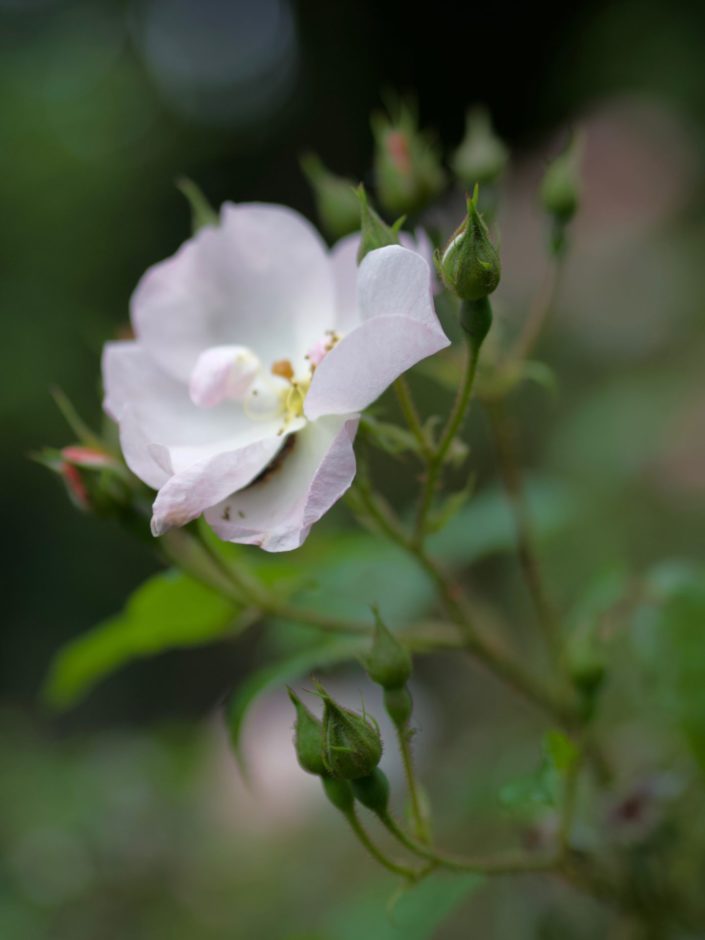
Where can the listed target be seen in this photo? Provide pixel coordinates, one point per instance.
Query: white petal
(222, 372)
(395, 280)
(399, 328)
(278, 511)
(261, 279)
(162, 431)
(187, 494)
(343, 258)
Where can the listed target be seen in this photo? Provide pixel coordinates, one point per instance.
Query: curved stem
(377, 853)
(411, 415)
(499, 865)
(455, 420)
(482, 647)
(419, 817)
(539, 312)
(510, 473)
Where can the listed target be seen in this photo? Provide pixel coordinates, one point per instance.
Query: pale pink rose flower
(256, 349)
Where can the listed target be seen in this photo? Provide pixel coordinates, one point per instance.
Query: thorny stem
(513, 484)
(453, 424)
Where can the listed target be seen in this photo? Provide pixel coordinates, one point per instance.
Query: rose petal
(161, 430)
(201, 485)
(399, 328)
(260, 279)
(343, 259)
(222, 372)
(277, 512)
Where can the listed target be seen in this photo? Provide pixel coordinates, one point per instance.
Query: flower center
(235, 373)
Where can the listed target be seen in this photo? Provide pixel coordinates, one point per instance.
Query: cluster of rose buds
(345, 747)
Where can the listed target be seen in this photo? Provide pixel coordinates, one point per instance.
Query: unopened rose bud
(481, 156)
(470, 266)
(352, 746)
(308, 738)
(340, 793)
(388, 663)
(408, 170)
(336, 202)
(560, 191)
(94, 479)
(374, 231)
(373, 791)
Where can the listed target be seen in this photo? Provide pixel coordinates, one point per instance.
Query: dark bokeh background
(103, 105)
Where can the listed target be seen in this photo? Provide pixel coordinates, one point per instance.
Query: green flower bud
(352, 746)
(398, 704)
(560, 189)
(408, 171)
(374, 231)
(470, 266)
(481, 156)
(340, 793)
(389, 663)
(373, 791)
(336, 202)
(308, 738)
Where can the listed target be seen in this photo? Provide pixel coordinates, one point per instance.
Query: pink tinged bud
(89, 457)
(399, 151)
(75, 485)
(221, 373)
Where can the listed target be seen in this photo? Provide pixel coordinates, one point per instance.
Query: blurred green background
(126, 816)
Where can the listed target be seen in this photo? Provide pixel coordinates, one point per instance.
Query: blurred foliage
(116, 833)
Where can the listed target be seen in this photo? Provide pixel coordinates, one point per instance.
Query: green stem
(453, 424)
(411, 415)
(419, 817)
(568, 804)
(483, 647)
(539, 312)
(500, 865)
(179, 547)
(510, 473)
(255, 592)
(376, 853)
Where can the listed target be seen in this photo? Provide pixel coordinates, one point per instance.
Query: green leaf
(486, 526)
(540, 373)
(168, 611)
(416, 914)
(353, 571)
(390, 438)
(282, 672)
(450, 507)
(531, 794)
